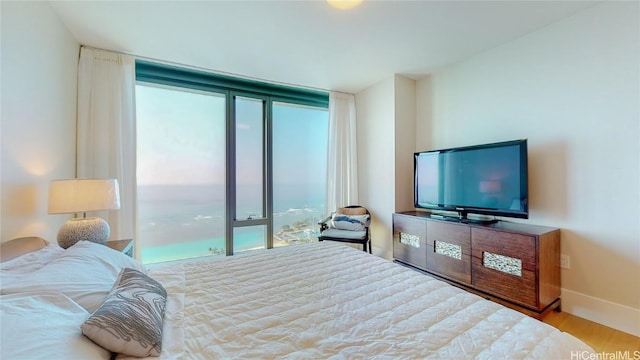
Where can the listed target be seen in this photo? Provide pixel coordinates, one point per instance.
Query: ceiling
(308, 43)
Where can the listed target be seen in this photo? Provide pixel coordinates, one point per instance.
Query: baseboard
(619, 317)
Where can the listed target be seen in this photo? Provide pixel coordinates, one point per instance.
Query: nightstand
(124, 246)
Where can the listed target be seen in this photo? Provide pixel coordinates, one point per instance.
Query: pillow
(45, 326)
(130, 319)
(348, 222)
(85, 272)
(352, 210)
(12, 270)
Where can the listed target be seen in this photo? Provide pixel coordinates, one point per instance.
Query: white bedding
(327, 300)
(44, 326)
(85, 272)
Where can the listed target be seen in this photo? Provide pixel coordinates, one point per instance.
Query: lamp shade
(70, 196)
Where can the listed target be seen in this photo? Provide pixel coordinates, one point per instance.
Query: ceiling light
(344, 4)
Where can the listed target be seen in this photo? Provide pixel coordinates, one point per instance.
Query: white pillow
(349, 222)
(85, 272)
(12, 270)
(45, 326)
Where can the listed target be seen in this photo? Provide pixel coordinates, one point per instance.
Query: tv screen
(488, 179)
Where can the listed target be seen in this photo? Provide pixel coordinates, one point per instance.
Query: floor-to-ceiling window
(226, 165)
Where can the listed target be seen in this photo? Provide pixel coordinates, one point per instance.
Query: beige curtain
(106, 145)
(342, 158)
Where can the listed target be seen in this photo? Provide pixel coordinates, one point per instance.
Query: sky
(181, 139)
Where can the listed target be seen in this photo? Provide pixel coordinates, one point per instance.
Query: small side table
(124, 246)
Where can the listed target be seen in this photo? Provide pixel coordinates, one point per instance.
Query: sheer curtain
(342, 164)
(106, 130)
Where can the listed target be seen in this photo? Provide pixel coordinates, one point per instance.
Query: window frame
(208, 81)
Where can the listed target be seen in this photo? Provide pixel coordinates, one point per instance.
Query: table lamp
(72, 196)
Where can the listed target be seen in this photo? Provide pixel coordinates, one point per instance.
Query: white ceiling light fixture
(344, 4)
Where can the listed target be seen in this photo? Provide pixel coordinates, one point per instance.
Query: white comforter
(327, 300)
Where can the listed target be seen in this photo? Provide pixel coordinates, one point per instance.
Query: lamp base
(91, 229)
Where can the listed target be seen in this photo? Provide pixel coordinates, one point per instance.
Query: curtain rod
(191, 67)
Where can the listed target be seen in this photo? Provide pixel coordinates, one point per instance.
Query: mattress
(330, 301)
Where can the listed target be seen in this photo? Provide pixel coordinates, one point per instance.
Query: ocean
(185, 221)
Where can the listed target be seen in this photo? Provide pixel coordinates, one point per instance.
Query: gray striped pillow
(129, 321)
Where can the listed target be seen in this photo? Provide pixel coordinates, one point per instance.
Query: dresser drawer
(449, 251)
(456, 268)
(504, 265)
(410, 240)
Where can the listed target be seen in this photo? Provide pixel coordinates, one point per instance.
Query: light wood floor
(601, 338)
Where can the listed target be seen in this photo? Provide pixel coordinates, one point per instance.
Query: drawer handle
(446, 249)
(409, 239)
(502, 263)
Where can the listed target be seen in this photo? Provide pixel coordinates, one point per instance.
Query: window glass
(299, 172)
(249, 158)
(249, 238)
(180, 173)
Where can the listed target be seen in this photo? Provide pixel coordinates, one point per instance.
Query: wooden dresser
(517, 265)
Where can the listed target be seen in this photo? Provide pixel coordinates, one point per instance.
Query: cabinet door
(410, 240)
(449, 250)
(504, 264)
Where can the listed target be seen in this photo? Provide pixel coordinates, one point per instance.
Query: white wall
(386, 119)
(572, 89)
(405, 141)
(424, 114)
(376, 169)
(39, 70)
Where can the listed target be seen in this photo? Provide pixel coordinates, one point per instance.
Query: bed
(313, 301)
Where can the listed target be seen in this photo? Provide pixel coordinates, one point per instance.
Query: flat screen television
(488, 179)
